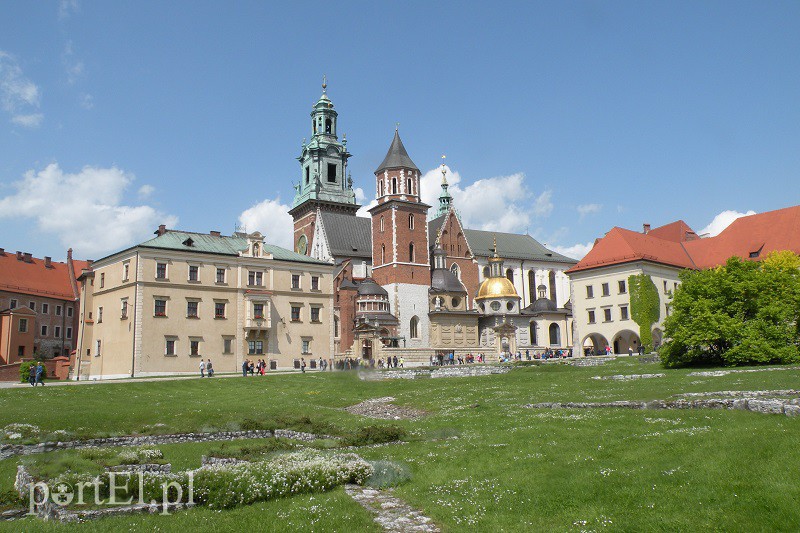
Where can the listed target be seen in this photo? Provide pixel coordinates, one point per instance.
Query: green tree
(743, 312)
(645, 306)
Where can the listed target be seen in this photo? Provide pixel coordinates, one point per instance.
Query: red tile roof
(750, 237)
(34, 278)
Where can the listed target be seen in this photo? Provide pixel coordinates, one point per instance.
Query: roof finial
(444, 171)
(324, 83)
(396, 126)
(494, 245)
(438, 237)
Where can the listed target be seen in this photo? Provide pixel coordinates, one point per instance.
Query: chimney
(69, 255)
(645, 228)
(2, 251)
(162, 229)
(28, 258)
(215, 233)
(48, 262)
(691, 236)
(89, 263)
(19, 255)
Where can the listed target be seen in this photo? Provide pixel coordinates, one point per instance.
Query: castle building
(428, 271)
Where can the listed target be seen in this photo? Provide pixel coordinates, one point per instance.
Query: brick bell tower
(400, 262)
(324, 182)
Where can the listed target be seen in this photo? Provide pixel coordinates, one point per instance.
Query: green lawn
(494, 467)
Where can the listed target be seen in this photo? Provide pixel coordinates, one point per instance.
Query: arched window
(411, 221)
(256, 250)
(328, 125)
(394, 185)
(411, 252)
(381, 223)
(485, 272)
(313, 125)
(552, 277)
(455, 270)
(555, 335)
(383, 253)
(510, 275)
(408, 186)
(533, 328)
(380, 188)
(336, 326)
(414, 327)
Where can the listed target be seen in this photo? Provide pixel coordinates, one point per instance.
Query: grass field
(494, 467)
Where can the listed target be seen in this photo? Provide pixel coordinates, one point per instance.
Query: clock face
(302, 245)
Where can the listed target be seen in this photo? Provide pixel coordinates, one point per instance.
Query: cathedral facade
(411, 279)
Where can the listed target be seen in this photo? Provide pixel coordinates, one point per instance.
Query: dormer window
(188, 242)
(256, 250)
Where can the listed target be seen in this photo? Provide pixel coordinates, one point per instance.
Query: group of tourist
(253, 367)
(453, 359)
(206, 367)
(36, 374)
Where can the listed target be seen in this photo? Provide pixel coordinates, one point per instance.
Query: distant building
(600, 290)
(49, 290)
(163, 305)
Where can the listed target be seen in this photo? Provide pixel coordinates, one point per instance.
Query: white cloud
(84, 209)
(145, 191)
(361, 199)
(87, 101)
(722, 221)
(19, 96)
(588, 209)
(502, 203)
(272, 219)
(67, 7)
(72, 65)
(576, 251)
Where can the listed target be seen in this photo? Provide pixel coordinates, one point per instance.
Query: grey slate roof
(222, 245)
(396, 157)
(442, 280)
(512, 246)
(348, 235)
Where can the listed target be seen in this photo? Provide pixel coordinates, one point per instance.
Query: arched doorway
(658, 338)
(626, 341)
(594, 344)
(555, 335)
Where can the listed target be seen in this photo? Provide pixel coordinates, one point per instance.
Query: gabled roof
(34, 278)
(348, 235)
(624, 246)
(678, 231)
(511, 246)
(219, 245)
(396, 157)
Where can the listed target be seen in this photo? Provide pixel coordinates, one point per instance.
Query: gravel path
(392, 513)
(383, 408)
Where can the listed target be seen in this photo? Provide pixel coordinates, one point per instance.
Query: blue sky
(562, 119)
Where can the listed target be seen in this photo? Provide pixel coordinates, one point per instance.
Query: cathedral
(411, 280)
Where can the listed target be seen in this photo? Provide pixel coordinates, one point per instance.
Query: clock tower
(324, 182)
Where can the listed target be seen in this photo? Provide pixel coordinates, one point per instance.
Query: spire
(397, 157)
(324, 84)
(445, 200)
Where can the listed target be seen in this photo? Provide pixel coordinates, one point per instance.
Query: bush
(387, 474)
(375, 435)
(248, 424)
(25, 371)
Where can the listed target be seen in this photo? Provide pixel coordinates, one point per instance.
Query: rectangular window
(315, 314)
(665, 286)
(194, 272)
(227, 345)
(160, 308)
(295, 281)
(591, 317)
(161, 271)
(44, 331)
(57, 333)
(606, 290)
(46, 308)
(97, 352)
(255, 347)
(99, 315)
(32, 305)
(219, 310)
(331, 173)
(255, 278)
(623, 312)
(589, 291)
(102, 279)
(314, 283)
(21, 351)
(194, 347)
(69, 333)
(220, 275)
(666, 306)
(295, 313)
(125, 270)
(169, 348)
(607, 315)
(69, 312)
(258, 310)
(13, 304)
(124, 309)
(622, 287)
(191, 309)
(306, 346)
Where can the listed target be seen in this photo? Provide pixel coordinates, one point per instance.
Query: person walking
(394, 361)
(209, 368)
(32, 375)
(39, 374)
(245, 366)
(302, 365)
(202, 368)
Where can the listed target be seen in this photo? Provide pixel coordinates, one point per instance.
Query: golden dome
(496, 288)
